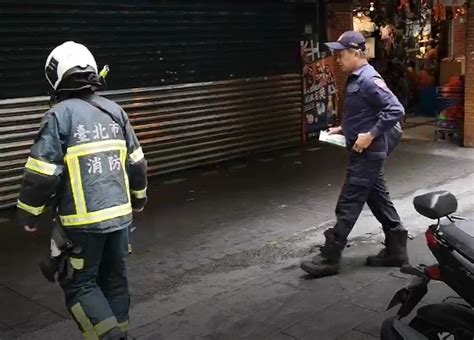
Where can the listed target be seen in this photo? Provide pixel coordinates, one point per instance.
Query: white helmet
(64, 58)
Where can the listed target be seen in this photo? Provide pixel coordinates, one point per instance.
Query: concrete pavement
(216, 252)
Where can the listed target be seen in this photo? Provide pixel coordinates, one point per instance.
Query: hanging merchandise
(426, 33)
(363, 23)
(423, 29)
(439, 12)
(403, 5)
(413, 29)
(388, 36)
(370, 47)
(460, 12)
(388, 13)
(405, 8)
(372, 7)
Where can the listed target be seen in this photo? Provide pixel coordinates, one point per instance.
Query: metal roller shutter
(179, 126)
(148, 43)
(203, 81)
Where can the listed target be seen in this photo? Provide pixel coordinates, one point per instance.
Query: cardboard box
(449, 68)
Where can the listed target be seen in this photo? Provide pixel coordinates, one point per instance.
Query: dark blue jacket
(370, 107)
(87, 154)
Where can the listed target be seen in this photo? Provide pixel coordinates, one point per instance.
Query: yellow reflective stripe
(82, 217)
(95, 147)
(76, 185)
(32, 210)
(106, 325)
(105, 71)
(124, 326)
(40, 166)
(96, 216)
(83, 320)
(139, 193)
(123, 158)
(137, 155)
(90, 336)
(72, 158)
(76, 263)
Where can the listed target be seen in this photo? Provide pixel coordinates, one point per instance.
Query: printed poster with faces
(320, 96)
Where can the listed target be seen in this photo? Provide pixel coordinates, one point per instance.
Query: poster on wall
(320, 96)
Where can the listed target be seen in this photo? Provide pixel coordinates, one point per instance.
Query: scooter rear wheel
(442, 329)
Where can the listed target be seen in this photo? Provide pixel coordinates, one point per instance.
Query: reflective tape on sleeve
(139, 193)
(137, 155)
(29, 208)
(41, 166)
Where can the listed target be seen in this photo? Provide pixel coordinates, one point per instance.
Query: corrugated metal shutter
(148, 43)
(203, 81)
(179, 126)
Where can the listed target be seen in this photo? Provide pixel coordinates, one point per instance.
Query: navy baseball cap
(347, 40)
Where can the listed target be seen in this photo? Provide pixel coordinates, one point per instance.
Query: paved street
(216, 253)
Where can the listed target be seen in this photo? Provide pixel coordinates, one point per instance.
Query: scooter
(452, 244)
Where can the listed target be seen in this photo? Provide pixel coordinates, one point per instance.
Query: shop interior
(413, 45)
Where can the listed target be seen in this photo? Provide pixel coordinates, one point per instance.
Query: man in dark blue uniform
(371, 126)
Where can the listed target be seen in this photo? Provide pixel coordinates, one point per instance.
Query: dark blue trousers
(98, 295)
(365, 183)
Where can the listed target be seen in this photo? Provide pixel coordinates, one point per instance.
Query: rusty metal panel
(179, 126)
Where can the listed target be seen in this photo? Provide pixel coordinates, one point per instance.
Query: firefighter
(87, 155)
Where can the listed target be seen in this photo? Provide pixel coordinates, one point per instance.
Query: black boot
(395, 252)
(327, 262)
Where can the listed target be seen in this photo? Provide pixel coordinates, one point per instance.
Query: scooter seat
(436, 205)
(460, 236)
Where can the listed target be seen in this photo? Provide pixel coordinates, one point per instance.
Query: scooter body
(452, 244)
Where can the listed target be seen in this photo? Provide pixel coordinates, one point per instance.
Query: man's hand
(31, 228)
(335, 130)
(363, 142)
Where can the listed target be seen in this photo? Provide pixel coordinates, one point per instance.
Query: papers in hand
(338, 140)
